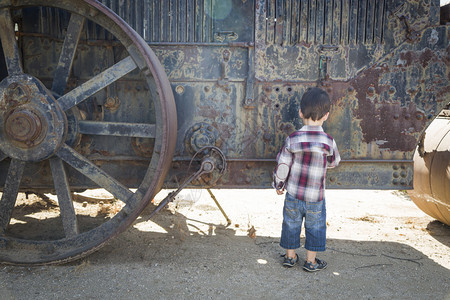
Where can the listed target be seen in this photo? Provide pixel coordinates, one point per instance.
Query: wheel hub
(24, 127)
(32, 126)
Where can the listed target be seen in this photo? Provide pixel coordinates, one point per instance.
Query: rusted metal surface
(68, 51)
(97, 83)
(69, 218)
(431, 175)
(9, 44)
(33, 124)
(9, 192)
(208, 163)
(385, 65)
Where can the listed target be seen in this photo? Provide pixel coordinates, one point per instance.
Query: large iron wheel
(39, 123)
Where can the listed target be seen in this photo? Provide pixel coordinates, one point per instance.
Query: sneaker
(319, 265)
(290, 262)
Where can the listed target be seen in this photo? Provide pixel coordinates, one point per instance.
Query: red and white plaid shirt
(309, 152)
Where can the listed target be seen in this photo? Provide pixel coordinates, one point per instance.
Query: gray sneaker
(319, 265)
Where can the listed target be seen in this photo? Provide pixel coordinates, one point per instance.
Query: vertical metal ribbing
(287, 28)
(336, 22)
(329, 24)
(150, 20)
(173, 15)
(303, 23)
(209, 21)
(172, 18)
(164, 26)
(162, 20)
(155, 20)
(345, 10)
(131, 15)
(190, 21)
(146, 21)
(279, 23)
(376, 21)
(270, 23)
(42, 19)
(122, 10)
(361, 32)
(205, 21)
(312, 21)
(379, 25)
(198, 17)
(295, 19)
(177, 21)
(370, 22)
(139, 13)
(320, 21)
(183, 21)
(353, 21)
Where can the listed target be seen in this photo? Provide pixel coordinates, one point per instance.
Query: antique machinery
(150, 94)
(431, 191)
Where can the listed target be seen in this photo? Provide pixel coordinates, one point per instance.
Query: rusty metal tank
(134, 96)
(431, 191)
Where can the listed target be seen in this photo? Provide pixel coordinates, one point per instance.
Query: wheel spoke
(67, 211)
(10, 192)
(118, 129)
(9, 43)
(94, 173)
(68, 50)
(97, 83)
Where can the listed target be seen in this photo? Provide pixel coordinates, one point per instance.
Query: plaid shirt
(309, 152)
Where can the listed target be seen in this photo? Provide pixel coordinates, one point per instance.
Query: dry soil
(380, 246)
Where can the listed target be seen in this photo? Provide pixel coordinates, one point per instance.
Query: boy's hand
(280, 192)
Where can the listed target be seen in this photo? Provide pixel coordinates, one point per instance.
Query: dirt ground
(380, 246)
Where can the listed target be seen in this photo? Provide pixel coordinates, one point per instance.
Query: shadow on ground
(440, 232)
(187, 261)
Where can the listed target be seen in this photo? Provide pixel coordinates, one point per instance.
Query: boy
(309, 152)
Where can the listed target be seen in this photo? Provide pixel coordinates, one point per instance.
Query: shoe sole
(314, 270)
(288, 265)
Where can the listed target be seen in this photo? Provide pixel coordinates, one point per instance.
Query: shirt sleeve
(283, 157)
(334, 159)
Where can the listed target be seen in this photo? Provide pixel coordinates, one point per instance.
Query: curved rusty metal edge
(169, 112)
(429, 194)
(168, 142)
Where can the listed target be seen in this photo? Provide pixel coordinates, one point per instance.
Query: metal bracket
(220, 207)
(249, 101)
(323, 68)
(225, 35)
(208, 165)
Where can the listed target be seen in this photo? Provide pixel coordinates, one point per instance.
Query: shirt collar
(311, 128)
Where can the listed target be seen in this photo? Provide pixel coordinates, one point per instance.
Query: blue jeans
(314, 213)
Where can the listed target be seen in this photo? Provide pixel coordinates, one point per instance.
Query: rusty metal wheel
(41, 124)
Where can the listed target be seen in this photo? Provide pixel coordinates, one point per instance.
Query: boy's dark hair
(315, 104)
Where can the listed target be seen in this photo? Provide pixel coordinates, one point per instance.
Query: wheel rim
(39, 125)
